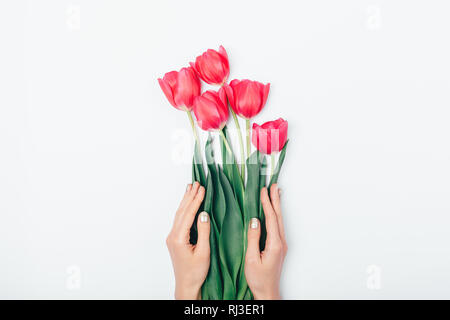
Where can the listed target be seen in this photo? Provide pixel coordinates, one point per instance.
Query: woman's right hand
(263, 269)
(190, 262)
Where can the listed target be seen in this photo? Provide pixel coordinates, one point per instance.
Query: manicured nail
(203, 217)
(254, 223)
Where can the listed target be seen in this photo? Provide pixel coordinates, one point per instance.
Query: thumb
(203, 228)
(254, 232)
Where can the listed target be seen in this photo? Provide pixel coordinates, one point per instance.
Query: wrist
(185, 293)
(273, 295)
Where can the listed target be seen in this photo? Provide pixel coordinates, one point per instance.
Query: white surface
(90, 174)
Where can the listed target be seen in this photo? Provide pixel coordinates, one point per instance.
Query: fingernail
(279, 192)
(254, 223)
(189, 186)
(203, 217)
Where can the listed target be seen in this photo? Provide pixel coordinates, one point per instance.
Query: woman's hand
(190, 262)
(263, 269)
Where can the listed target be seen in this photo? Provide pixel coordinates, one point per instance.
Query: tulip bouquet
(232, 188)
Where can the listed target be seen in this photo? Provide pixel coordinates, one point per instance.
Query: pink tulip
(271, 136)
(246, 97)
(212, 66)
(181, 87)
(211, 110)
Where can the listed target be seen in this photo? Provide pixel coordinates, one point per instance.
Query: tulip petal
(222, 106)
(212, 66)
(222, 96)
(265, 94)
(255, 135)
(167, 91)
(207, 115)
(171, 78)
(250, 100)
(270, 136)
(192, 64)
(223, 53)
(210, 110)
(234, 82)
(187, 88)
(230, 96)
(283, 129)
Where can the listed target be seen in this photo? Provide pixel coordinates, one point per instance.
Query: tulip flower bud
(211, 110)
(181, 87)
(212, 66)
(247, 98)
(271, 136)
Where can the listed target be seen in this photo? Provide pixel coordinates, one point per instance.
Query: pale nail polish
(203, 217)
(254, 223)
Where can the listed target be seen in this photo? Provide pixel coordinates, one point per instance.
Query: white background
(91, 170)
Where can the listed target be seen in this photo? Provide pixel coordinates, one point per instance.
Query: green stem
(191, 120)
(272, 166)
(226, 142)
(241, 142)
(247, 125)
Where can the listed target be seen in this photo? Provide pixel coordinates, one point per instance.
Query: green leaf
(229, 287)
(238, 186)
(242, 285)
(219, 205)
(276, 172)
(252, 187)
(208, 200)
(194, 174)
(248, 295)
(226, 157)
(199, 171)
(273, 179)
(251, 210)
(198, 174)
(231, 171)
(212, 288)
(261, 216)
(231, 238)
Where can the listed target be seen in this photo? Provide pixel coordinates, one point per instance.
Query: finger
(192, 209)
(185, 197)
(276, 204)
(273, 233)
(204, 228)
(254, 232)
(183, 223)
(191, 193)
